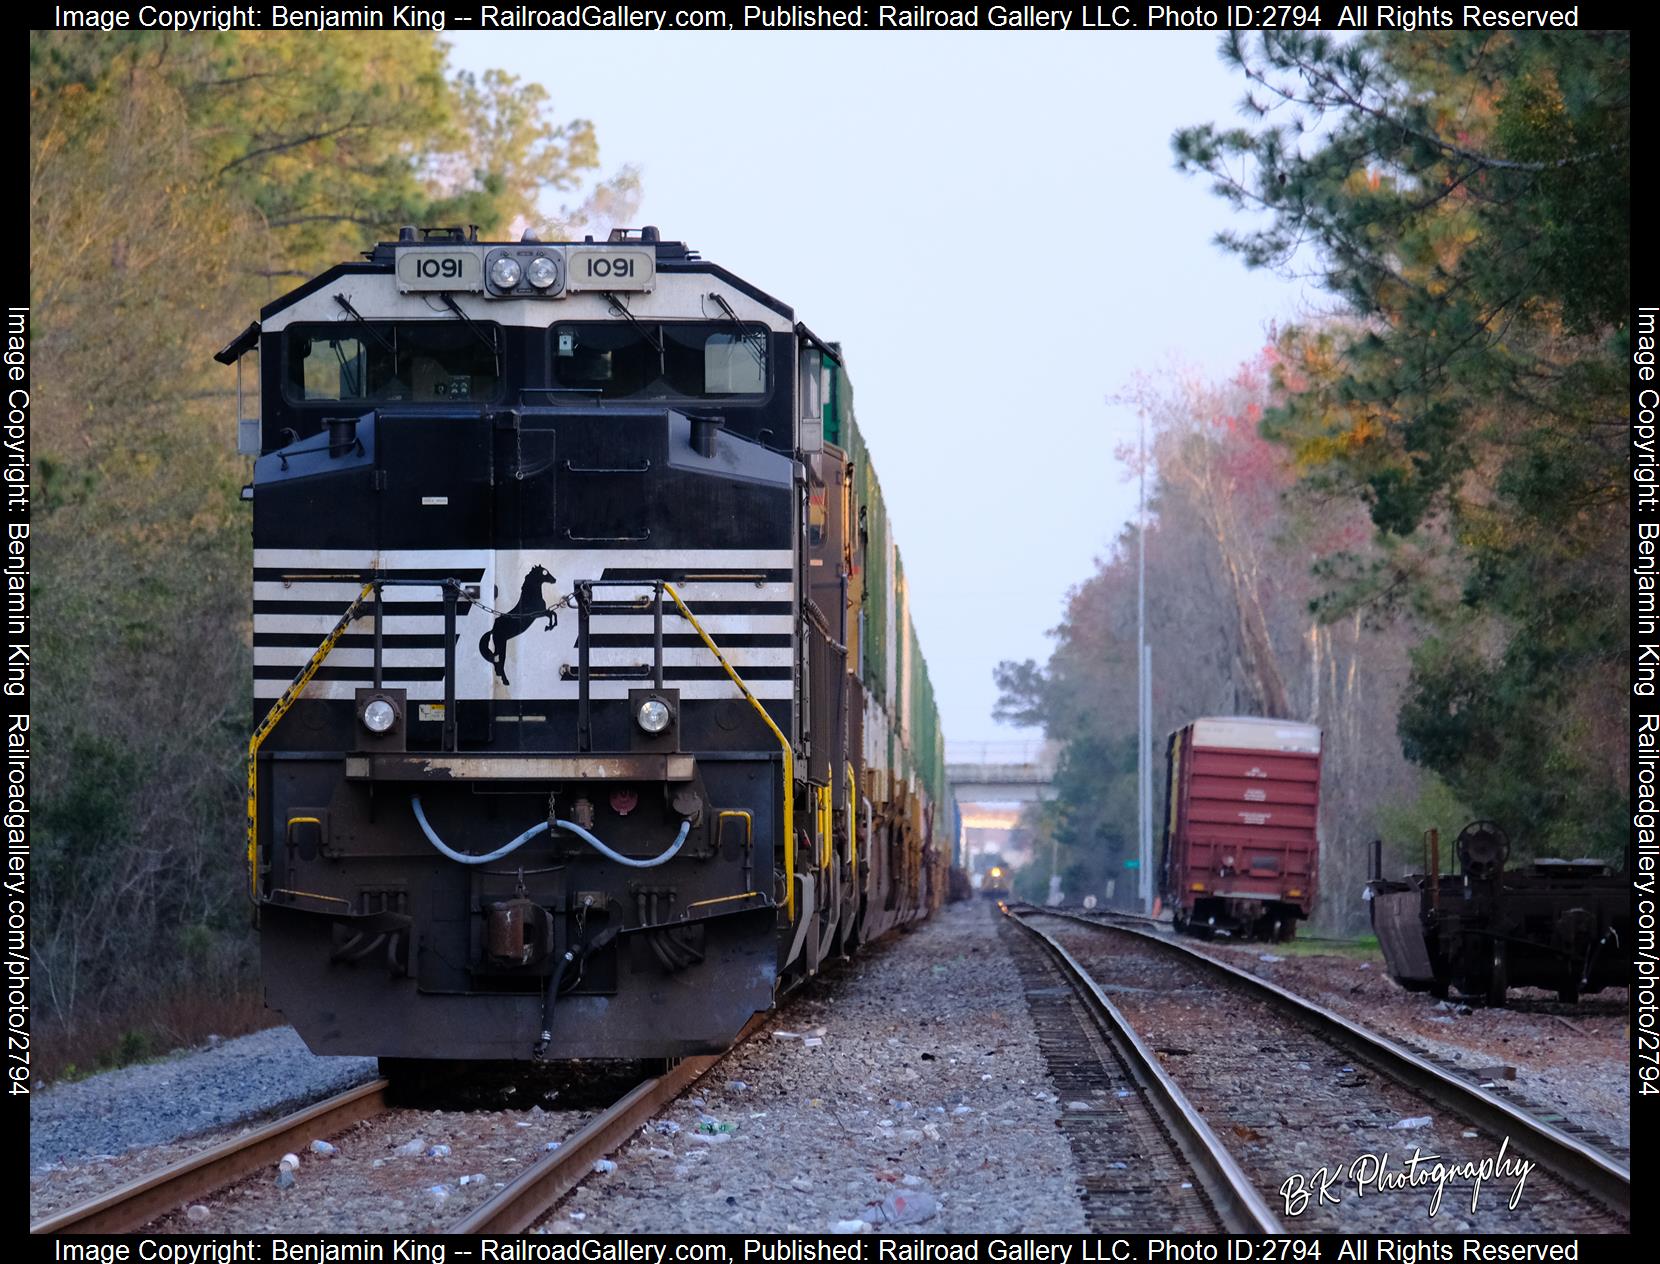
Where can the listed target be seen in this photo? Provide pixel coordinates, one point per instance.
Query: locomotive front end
(526, 558)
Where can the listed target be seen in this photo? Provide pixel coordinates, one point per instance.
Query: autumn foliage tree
(1232, 550)
(1465, 194)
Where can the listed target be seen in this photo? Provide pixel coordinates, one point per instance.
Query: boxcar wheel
(1498, 978)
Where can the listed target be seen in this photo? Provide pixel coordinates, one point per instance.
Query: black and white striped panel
(743, 598)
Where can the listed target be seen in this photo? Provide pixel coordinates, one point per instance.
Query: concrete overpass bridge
(1001, 772)
(993, 782)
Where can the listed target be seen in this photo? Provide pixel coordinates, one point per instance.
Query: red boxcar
(1241, 842)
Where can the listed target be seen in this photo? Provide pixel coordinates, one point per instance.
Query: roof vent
(529, 234)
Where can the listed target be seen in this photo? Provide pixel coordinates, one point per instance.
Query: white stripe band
(296, 656)
(599, 690)
(394, 560)
(717, 625)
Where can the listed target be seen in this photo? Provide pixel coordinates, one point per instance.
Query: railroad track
(1619, 1158)
(517, 1206)
(1133, 1133)
(1290, 1087)
(130, 1207)
(532, 1195)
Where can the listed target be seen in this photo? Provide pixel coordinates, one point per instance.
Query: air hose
(522, 839)
(578, 954)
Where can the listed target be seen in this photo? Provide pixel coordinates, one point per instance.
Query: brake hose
(570, 826)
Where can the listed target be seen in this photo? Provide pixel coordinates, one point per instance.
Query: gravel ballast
(911, 1077)
(187, 1093)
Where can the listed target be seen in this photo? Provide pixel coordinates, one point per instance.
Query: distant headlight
(653, 715)
(379, 715)
(505, 273)
(541, 273)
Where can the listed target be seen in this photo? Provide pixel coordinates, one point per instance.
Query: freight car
(589, 715)
(1564, 925)
(1241, 848)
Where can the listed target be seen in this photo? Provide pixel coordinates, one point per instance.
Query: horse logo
(531, 607)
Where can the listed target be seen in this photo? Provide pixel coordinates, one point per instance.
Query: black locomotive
(588, 711)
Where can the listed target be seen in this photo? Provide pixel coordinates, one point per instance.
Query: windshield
(649, 360)
(414, 361)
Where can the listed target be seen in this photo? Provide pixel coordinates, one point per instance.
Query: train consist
(995, 883)
(1241, 846)
(589, 712)
(1563, 925)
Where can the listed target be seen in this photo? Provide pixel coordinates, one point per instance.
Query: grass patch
(77, 1050)
(1360, 948)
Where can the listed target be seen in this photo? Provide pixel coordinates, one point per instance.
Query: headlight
(541, 273)
(505, 273)
(653, 715)
(379, 715)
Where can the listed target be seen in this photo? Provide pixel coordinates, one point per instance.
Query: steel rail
(130, 1207)
(532, 1194)
(1580, 1164)
(1232, 1194)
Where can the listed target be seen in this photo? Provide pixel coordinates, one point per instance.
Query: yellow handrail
(783, 742)
(853, 822)
(722, 899)
(744, 815)
(279, 708)
(826, 824)
(748, 820)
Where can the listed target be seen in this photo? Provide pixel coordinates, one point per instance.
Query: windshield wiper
(752, 339)
(362, 320)
(645, 332)
(495, 351)
(656, 344)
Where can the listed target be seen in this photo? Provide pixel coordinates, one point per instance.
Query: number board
(609, 268)
(440, 270)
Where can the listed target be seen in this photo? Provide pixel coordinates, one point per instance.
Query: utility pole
(1144, 700)
(1147, 779)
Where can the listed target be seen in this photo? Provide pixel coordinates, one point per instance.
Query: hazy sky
(991, 225)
